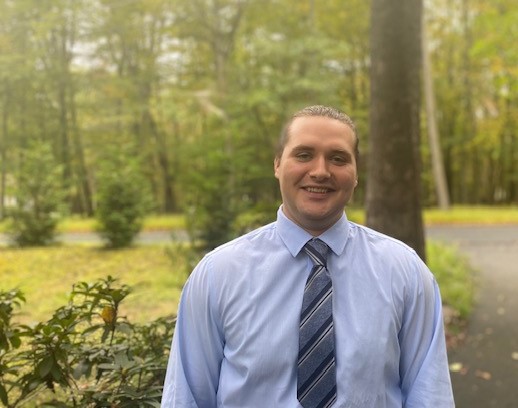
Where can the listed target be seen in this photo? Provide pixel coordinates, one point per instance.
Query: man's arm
(197, 350)
(425, 378)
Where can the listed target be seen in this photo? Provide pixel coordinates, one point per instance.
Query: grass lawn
(154, 222)
(456, 215)
(479, 215)
(46, 276)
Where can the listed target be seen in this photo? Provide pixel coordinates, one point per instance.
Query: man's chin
(322, 219)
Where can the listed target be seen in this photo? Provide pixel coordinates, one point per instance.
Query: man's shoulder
(388, 253)
(262, 236)
(378, 239)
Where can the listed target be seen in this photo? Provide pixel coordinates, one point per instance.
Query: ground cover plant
(87, 354)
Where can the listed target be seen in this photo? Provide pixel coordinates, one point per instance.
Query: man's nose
(320, 169)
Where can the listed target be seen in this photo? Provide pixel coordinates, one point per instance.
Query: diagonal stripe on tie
(322, 299)
(318, 337)
(324, 369)
(316, 372)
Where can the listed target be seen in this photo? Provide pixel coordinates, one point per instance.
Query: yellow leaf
(108, 314)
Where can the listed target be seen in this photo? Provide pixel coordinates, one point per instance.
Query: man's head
(317, 110)
(316, 165)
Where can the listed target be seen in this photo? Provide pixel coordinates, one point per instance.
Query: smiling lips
(319, 190)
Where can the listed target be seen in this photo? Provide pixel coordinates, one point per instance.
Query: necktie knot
(317, 251)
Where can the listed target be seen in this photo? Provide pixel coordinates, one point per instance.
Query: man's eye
(303, 156)
(339, 159)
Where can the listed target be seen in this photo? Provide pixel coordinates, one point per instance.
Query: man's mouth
(319, 190)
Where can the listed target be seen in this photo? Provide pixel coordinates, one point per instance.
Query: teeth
(316, 190)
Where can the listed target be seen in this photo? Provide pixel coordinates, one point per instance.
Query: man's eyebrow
(341, 151)
(303, 147)
(306, 148)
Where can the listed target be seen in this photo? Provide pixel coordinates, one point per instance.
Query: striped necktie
(316, 373)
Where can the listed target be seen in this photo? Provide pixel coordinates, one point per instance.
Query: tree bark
(393, 199)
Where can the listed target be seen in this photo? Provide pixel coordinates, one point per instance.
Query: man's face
(317, 172)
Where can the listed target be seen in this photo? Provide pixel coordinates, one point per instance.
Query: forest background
(184, 101)
(193, 94)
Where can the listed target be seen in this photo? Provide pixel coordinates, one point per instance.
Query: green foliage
(260, 215)
(10, 340)
(211, 197)
(454, 275)
(163, 70)
(122, 203)
(86, 355)
(39, 197)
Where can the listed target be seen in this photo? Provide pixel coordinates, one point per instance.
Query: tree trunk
(439, 177)
(393, 199)
(468, 187)
(85, 194)
(3, 151)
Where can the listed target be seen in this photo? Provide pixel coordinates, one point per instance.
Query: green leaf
(106, 332)
(153, 404)
(4, 344)
(108, 366)
(82, 368)
(56, 373)
(45, 366)
(3, 395)
(16, 341)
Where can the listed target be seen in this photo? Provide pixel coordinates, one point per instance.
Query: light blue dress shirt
(236, 339)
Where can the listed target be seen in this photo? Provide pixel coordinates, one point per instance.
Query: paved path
(148, 237)
(486, 365)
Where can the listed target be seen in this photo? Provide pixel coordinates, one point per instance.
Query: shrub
(86, 355)
(260, 215)
(454, 275)
(211, 201)
(122, 203)
(39, 198)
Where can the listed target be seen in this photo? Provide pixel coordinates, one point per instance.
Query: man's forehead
(313, 133)
(316, 123)
(312, 147)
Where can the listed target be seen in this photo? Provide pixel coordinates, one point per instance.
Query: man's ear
(276, 167)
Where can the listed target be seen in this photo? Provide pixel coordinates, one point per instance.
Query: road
(148, 237)
(485, 366)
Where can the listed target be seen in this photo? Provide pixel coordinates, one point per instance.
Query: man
(245, 335)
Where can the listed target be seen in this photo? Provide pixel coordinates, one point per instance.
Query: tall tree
(393, 179)
(4, 133)
(16, 86)
(131, 38)
(439, 176)
(56, 34)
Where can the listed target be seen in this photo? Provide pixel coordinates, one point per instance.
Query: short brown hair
(317, 110)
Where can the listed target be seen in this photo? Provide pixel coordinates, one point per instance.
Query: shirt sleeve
(192, 376)
(424, 372)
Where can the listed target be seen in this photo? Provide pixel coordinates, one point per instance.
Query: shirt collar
(295, 237)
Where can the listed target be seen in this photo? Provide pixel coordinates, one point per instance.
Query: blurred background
(120, 118)
(193, 94)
